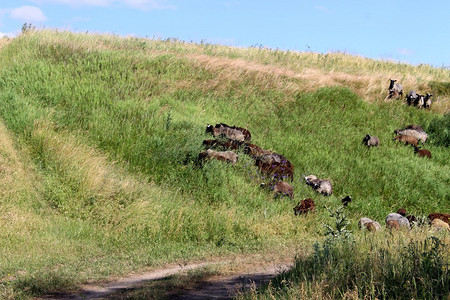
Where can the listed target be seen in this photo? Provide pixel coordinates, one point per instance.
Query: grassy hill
(99, 136)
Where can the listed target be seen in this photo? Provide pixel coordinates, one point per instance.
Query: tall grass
(403, 265)
(105, 131)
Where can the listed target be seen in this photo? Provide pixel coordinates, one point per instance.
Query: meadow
(100, 134)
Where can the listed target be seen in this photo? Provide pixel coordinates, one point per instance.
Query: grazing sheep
(392, 224)
(222, 144)
(422, 152)
(321, 186)
(304, 207)
(393, 218)
(395, 89)
(411, 218)
(415, 127)
(440, 216)
(369, 224)
(230, 132)
(427, 100)
(283, 188)
(275, 165)
(411, 98)
(369, 141)
(417, 132)
(254, 150)
(227, 156)
(345, 201)
(406, 139)
(420, 101)
(438, 224)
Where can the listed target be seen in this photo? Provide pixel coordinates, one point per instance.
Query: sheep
(345, 201)
(227, 156)
(422, 152)
(369, 141)
(230, 132)
(416, 132)
(395, 89)
(369, 224)
(415, 127)
(319, 185)
(438, 224)
(440, 216)
(304, 207)
(411, 98)
(407, 139)
(419, 101)
(254, 150)
(283, 188)
(395, 220)
(275, 165)
(411, 218)
(222, 144)
(427, 101)
(392, 224)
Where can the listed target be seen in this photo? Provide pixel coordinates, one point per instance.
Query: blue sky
(412, 31)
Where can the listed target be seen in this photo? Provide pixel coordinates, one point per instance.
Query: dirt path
(227, 287)
(218, 287)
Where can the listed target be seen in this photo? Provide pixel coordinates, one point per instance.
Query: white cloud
(148, 4)
(139, 4)
(323, 9)
(404, 51)
(28, 14)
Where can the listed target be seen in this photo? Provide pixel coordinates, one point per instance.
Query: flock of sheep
(414, 99)
(278, 169)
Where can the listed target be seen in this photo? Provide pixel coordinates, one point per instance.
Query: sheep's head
(209, 128)
(310, 178)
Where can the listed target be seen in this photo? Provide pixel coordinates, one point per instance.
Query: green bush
(439, 130)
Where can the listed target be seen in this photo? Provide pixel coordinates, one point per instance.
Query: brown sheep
(230, 132)
(407, 139)
(283, 188)
(275, 165)
(227, 156)
(415, 127)
(222, 144)
(305, 206)
(440, 216)
(418, 133)
(422, 152)
(392, 224)
(254, 150)
(369, 224)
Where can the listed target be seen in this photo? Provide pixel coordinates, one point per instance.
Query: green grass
(101, 134)
(384, 265)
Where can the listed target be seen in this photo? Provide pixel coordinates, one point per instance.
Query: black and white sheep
(321, 186)
(370, 140)
(395, 89)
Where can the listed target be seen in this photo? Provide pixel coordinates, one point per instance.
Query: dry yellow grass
(289, 71)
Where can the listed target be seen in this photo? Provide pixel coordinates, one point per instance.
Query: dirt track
(220, 287)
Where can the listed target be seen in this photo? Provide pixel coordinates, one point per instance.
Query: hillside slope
(101, 134)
